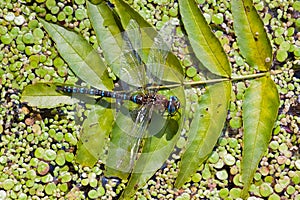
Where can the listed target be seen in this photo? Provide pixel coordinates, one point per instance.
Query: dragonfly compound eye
(173, 105)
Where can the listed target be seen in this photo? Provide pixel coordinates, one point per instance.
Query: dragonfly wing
(144, 126)
(138, 132)
(159, 51)
(126, 140)
(134, 39)
(132, 67)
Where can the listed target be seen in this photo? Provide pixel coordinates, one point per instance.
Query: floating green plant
(29, 61)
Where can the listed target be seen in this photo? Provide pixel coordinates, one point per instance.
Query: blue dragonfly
(143, 69)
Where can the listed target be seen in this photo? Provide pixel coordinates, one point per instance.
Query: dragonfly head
(173, 105)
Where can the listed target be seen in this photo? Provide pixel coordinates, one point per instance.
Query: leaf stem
(236, 78)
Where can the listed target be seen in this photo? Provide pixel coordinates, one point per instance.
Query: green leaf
(126, 13)
(80, 55)
(260, 110)
(84, 156)
(251, 35)
(43, 95)
(205, 129)
(206, 46)
(107, 32)
(95, 131)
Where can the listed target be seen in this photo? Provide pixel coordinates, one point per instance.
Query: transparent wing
(138, 132)
(128, 135)
(131, 124)
(144, 125)
(126, 139)
(159, 51)
(132, 68)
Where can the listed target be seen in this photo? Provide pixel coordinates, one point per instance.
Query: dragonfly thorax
(159, 101)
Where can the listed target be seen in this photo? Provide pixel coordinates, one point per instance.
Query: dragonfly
(161, 102)
(146, 79)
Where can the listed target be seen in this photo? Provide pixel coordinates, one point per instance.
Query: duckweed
(50, 4)
(10, 16)
(79, 2)
(235, 193)
(236, 122)
(28, 38)
(217, 18)
(15, 32)
(214, 157)
(43, 168)
(39, 152)
(196, 177)
(222, 175)
(6, 38)
(22, 196)
(63, 187)
(47, 178)
(93, 183)
(59, 136)
(61, 16)
(50, 188)
(49, 155)
(19, 20)
(93, 194)
(237, 180)
(191, 71)
(274, 145)
(265, 190)
(69, 156)
(54, 10)
(233, 143)
(33, 46)
(65, 177)
(58, 62)
(60, 158)
(8, 184)
(70, 138)
(38, 33)
(229, 159)
(85, 182)
(206, 172)
(281, 55)
(296, 6)
(80, 14)
(224, 192)
(278, 188)
(173, 12)
(68, 10)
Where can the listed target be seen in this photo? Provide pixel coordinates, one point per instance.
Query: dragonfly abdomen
(92, 91)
